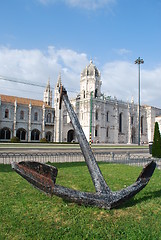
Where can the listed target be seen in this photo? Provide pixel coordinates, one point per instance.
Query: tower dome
(91, 70)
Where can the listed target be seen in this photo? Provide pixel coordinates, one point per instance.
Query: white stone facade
(29, 120)
(109, 120)
(102, 118)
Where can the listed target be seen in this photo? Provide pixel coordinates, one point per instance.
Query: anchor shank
(95, 172)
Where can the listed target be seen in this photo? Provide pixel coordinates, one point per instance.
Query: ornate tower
(90, 81)
(58, 122)
(90, 90)
(48, 95)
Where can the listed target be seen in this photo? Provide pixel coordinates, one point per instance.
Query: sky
(40, 39)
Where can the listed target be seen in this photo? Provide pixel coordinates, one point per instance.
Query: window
(96, 131)
(120, 123)
(142, 124)
(96, 93)
(48, 118)
(35, 116)
(107, 116)
(132, 120)
(21, 134)
(107, 132)
(84, 94)
(35, 135)
(49, 136)
(96, 115)
(5, 133)
(6, 113)
(22, 115)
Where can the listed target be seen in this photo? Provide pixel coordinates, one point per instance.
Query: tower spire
(48, 94)
(59, 80)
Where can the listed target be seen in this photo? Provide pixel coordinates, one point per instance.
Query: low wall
(125, 158)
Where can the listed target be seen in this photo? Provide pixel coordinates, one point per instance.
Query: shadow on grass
(132, 202)
(73, 164)
(68, 164)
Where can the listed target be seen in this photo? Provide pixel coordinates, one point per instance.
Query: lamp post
(139, 61)
(90, 136)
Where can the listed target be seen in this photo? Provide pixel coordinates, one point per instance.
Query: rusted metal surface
(43, 176)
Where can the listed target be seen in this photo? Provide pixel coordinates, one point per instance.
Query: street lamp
(91, 102)
(139, 61)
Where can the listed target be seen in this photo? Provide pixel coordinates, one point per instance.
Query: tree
(156, 148)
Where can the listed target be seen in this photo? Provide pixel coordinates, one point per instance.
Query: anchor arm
(43, 177)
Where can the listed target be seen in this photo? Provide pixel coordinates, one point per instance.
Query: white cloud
(120, 78)
(89, 4)
(122, 51)
(85, 4)
(36, 66)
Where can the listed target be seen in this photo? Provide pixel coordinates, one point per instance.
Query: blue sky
(41, 38)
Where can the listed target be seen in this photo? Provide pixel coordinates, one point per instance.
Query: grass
(26, 213)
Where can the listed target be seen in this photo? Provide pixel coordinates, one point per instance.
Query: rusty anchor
(43, 176)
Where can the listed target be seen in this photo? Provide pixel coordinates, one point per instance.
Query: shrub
(156, 147)
(15, 140)
(43, 140)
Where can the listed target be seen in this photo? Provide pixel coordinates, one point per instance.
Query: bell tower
(90, 82)
(58, 120)
(48, 95)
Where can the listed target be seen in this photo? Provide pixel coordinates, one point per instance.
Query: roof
(24, 101)
(91, 70)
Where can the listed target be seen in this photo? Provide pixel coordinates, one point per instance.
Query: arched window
(49, 136)
(48, 118)
(35, 135)
(21, 115)
(120, 123)
(5, 134)
(70, 135)
(21, 134)
(6, 113)
(35, 116)
(142, 124)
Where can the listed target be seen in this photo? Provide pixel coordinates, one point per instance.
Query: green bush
(15, 140)
(43, 140)
(156, 147)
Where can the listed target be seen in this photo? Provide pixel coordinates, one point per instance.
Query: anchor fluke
(41, 176)
(147, 172)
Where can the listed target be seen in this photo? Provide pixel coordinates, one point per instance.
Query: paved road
(29, 148)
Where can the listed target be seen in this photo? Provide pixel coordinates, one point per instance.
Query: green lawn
(26, 213)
